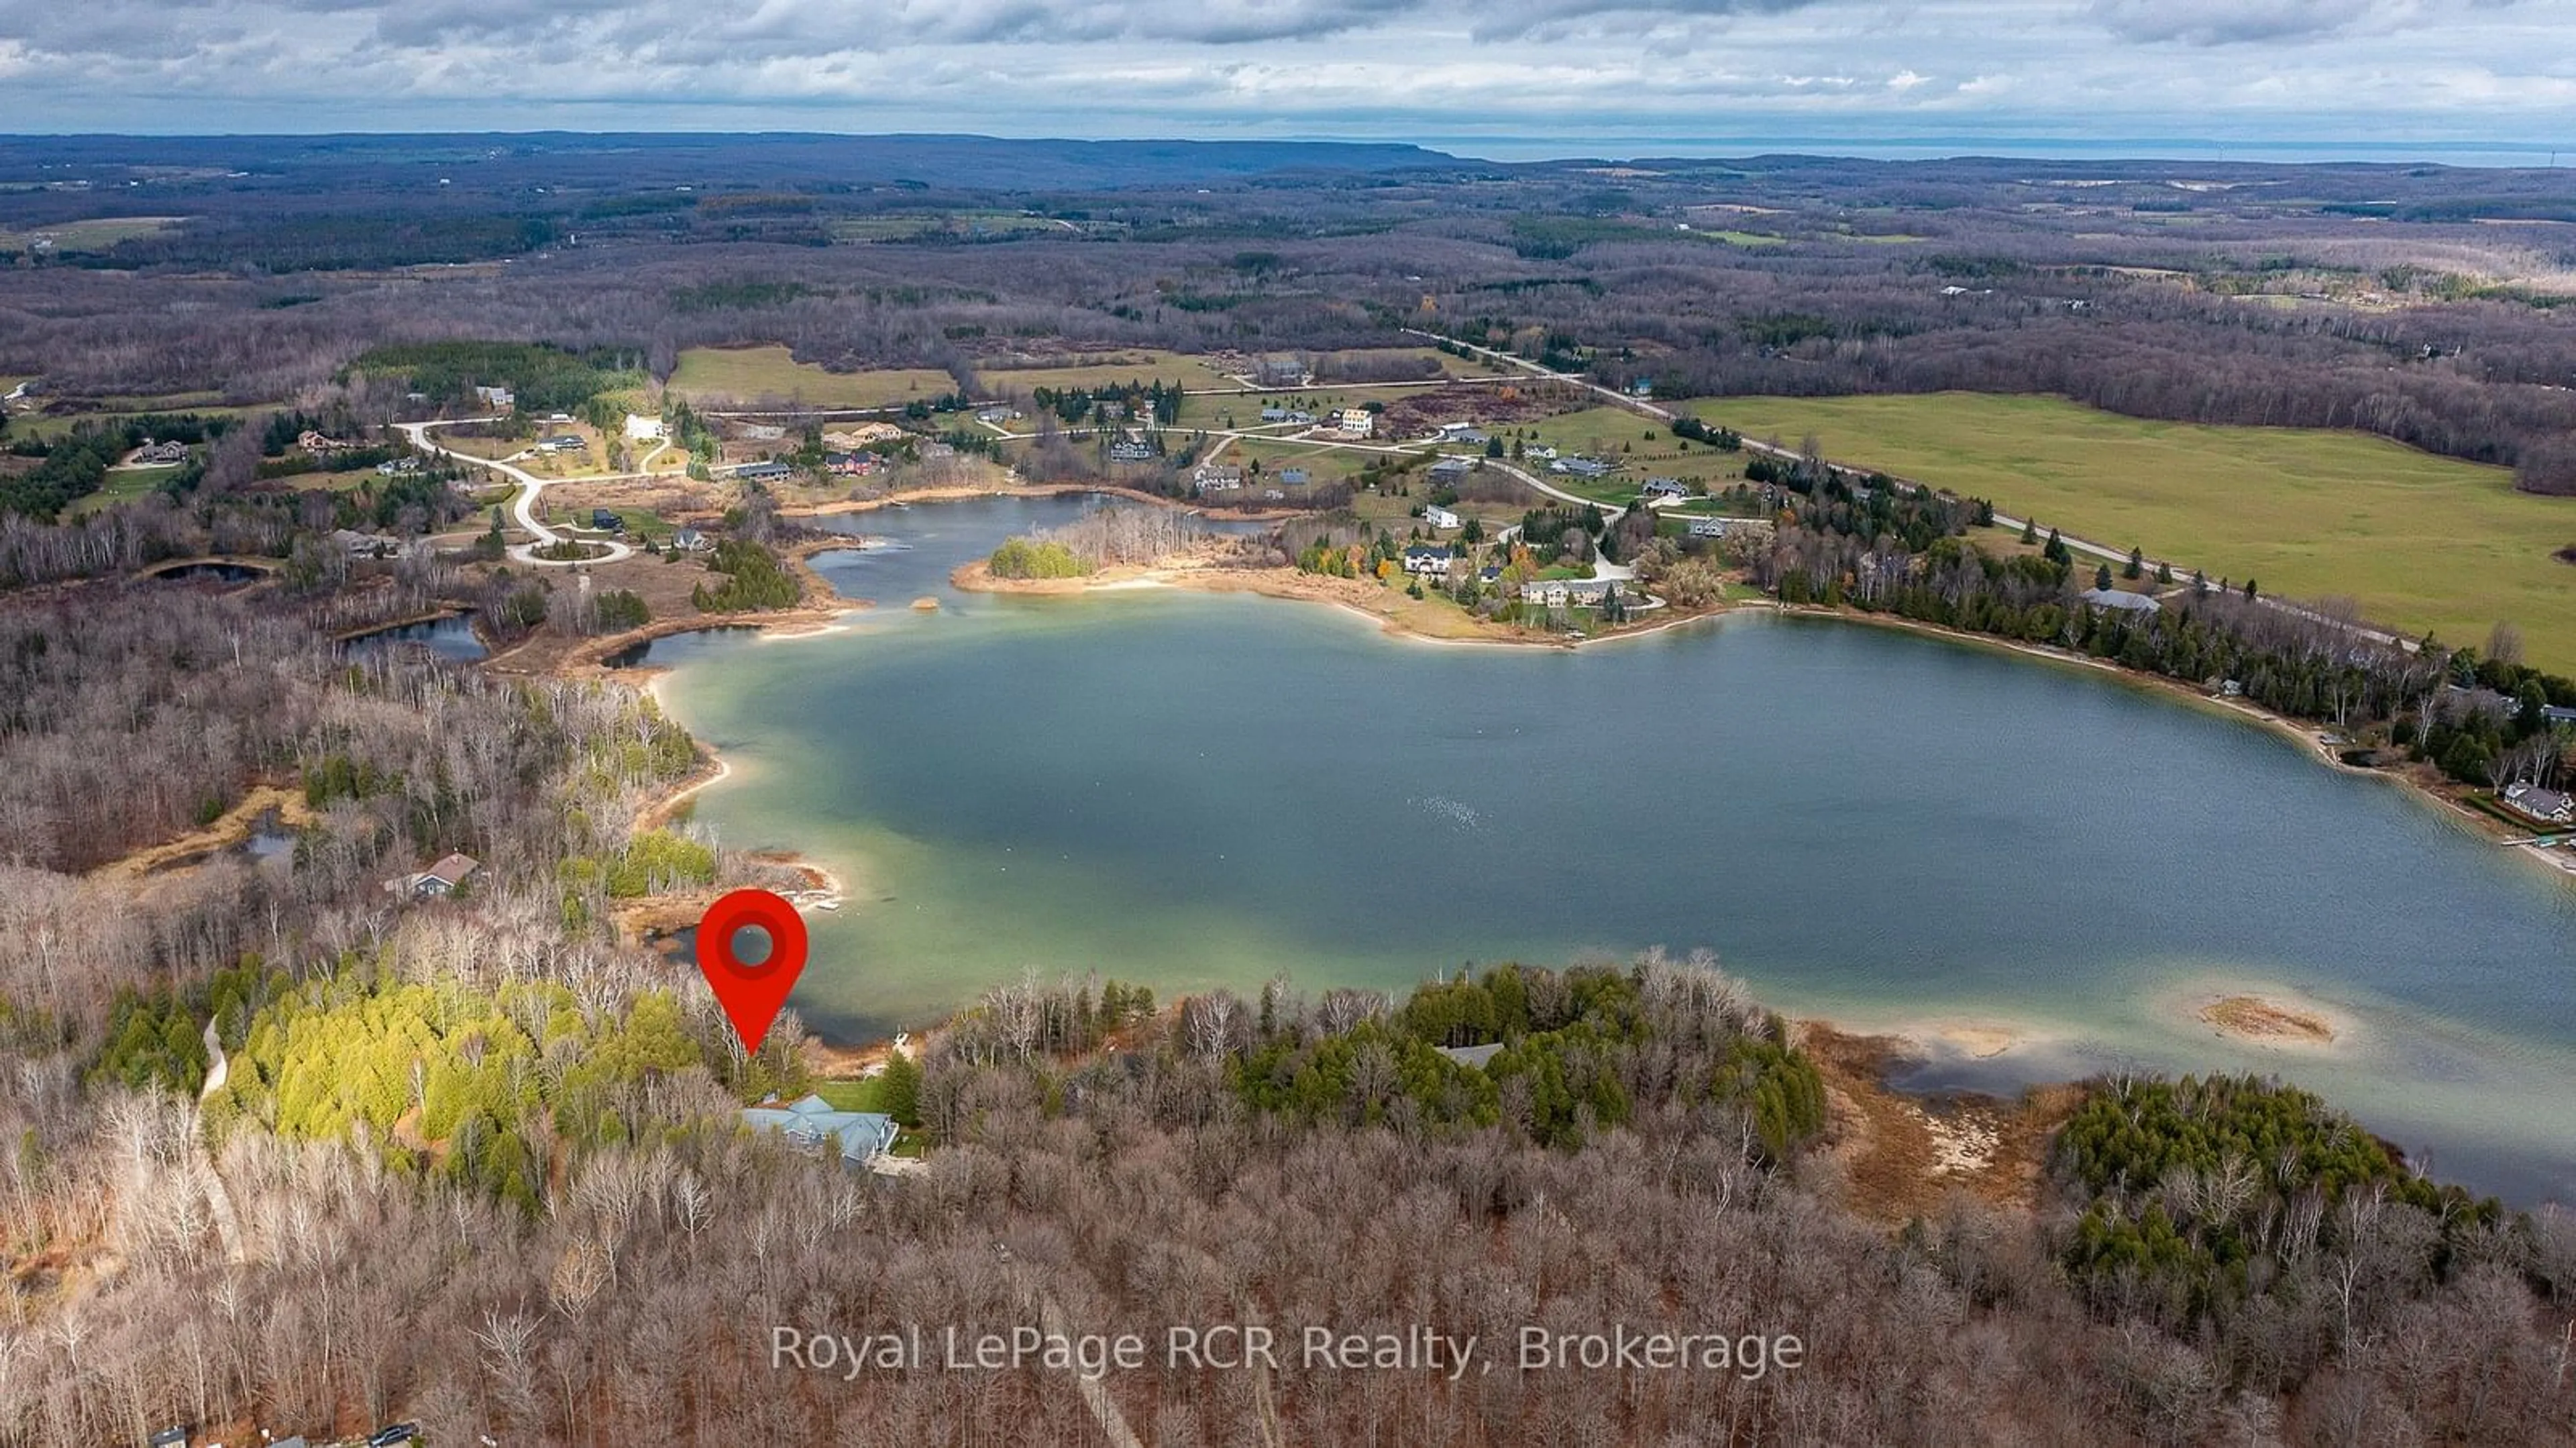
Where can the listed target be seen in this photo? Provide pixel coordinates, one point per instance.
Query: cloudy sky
(1495, 77)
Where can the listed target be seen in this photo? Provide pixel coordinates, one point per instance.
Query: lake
(1885, 829)
(450, 636)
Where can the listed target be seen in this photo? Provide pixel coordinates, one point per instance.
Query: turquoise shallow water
(1886, 829)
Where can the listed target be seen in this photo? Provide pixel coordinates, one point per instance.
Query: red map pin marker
(751, 994)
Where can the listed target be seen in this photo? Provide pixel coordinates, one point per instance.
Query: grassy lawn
(326, 482)
(2424, 542)
(122, 484)
(748, 374)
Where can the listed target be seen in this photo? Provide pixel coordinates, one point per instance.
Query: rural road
(523, 508)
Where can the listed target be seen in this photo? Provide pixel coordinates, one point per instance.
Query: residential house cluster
(1286, 414)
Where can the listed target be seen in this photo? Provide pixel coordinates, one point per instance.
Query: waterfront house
(813, 1125)
(1216, 478)
(1546, 593)
(1427, 558)
(2136, 603)
(2548, 806)
(1440, 517)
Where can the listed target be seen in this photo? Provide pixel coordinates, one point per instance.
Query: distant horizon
(1515, 149)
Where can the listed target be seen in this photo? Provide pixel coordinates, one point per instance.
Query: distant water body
(1877, 827)
(2474, 152)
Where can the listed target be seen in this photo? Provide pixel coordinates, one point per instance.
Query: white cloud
(1388, 67)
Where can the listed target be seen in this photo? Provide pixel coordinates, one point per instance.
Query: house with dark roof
(2548, 806)
(1665, 488)
(1424, 558)
(812, 1124)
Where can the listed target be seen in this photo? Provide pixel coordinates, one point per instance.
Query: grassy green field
(747, 374)
(54, 425)
(1605, 432)
(94, 235)
(121, 485)
(2424, 542)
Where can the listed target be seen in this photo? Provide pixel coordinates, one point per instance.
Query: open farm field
(2424, 542)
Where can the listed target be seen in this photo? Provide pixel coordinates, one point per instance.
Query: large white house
(640, 428)
(1440, 517)
(1356, 421)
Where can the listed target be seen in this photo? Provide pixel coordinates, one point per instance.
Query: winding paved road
(523, 508)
